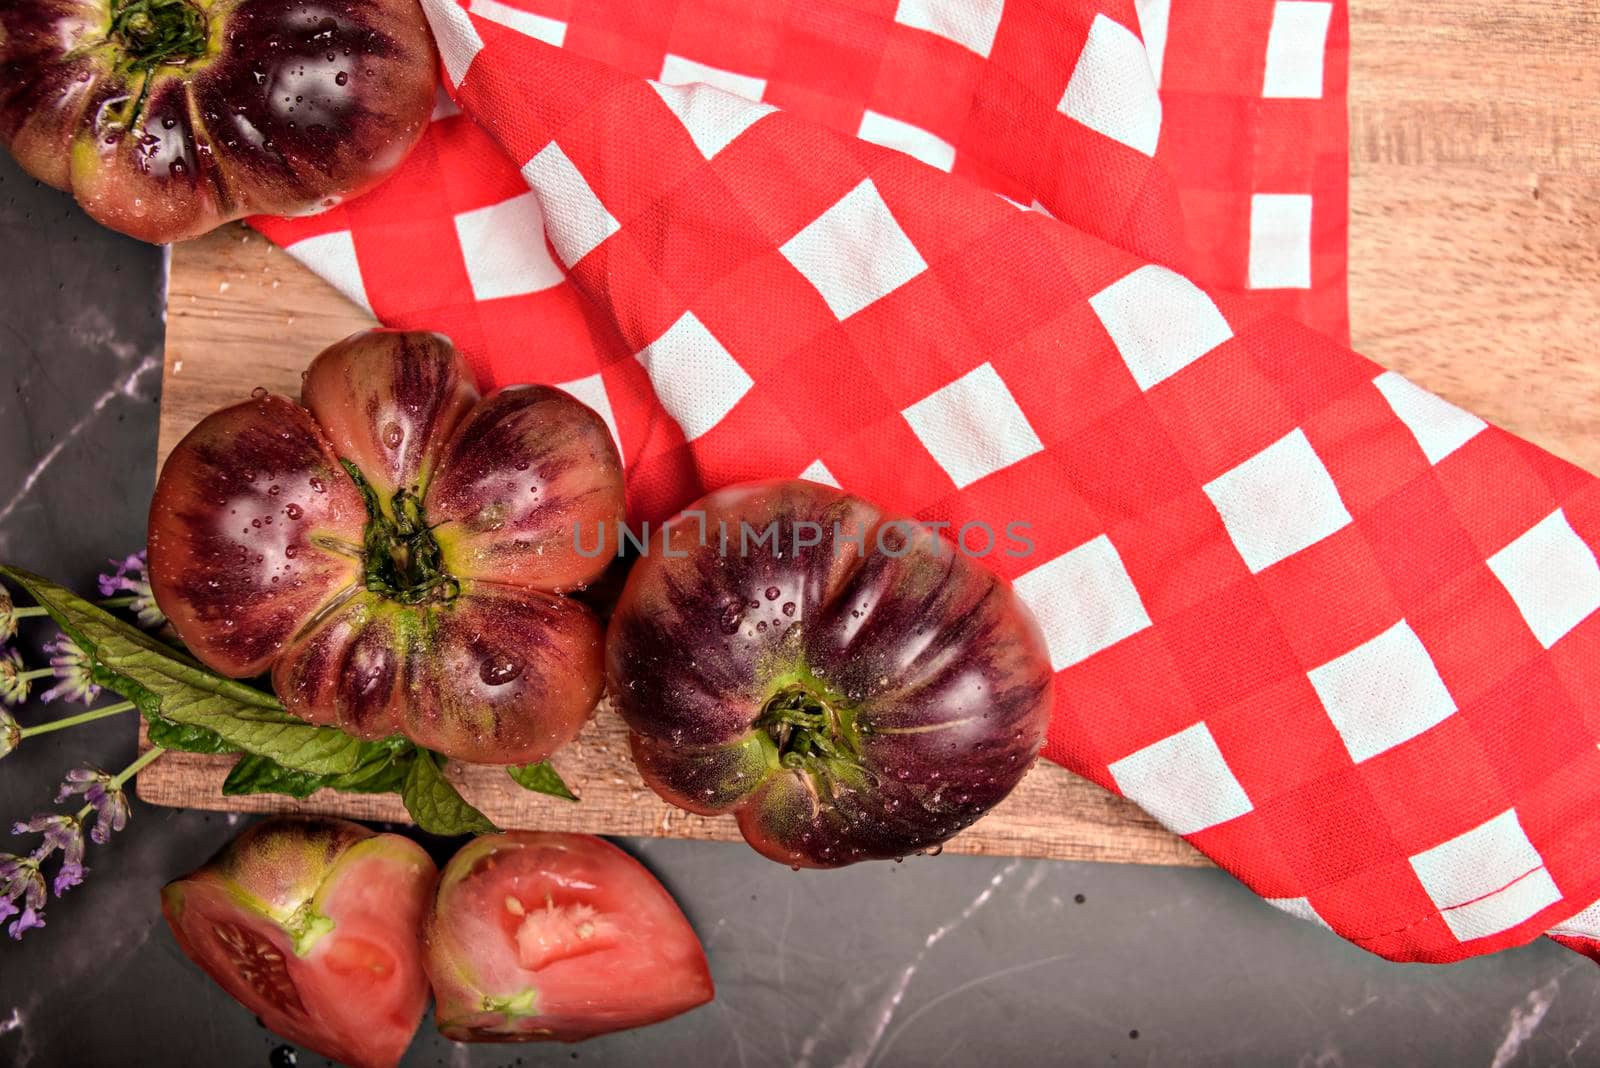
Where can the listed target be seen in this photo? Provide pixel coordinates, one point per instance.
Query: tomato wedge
(311, 924)
(556, 936)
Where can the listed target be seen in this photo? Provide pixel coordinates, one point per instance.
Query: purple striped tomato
(396, 550)
(166, 118)
(846, 683)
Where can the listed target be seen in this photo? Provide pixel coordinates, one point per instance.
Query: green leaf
(382, 769)
(263, 775)
(188, 739)
(435, 804)
(541, 778)
(168, 684)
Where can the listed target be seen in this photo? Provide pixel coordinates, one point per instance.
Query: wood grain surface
(1475, 269)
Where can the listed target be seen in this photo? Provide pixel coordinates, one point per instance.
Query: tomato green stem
(154, 33)
(73, 721)
(401, 557)
(805, 726)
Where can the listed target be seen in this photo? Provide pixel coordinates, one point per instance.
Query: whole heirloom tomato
(311, 924)
(556, 936)
(167, 118)
(395, 551)
(845, 682)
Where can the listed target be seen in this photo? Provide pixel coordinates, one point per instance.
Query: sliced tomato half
(556, 936)
(312, 925)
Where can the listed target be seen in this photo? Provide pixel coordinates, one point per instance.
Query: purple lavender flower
(72, 667)
(20, 878)
(104, 795)
(29, 919)
(63, 834)
(132, 577)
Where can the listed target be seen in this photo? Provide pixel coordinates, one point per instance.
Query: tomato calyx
(806, 724)
(156, 33)
(400, 556)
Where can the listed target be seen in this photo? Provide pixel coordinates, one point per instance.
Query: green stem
(114, 602)
(146, 758)
(27, 613)
(72, 721)
(36, 673)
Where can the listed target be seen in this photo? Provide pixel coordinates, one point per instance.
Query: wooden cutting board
(1475, 269)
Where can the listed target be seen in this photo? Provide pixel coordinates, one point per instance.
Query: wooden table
(1475, 269)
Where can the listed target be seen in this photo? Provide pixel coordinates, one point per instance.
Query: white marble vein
(127, 386)
(1524, 1021)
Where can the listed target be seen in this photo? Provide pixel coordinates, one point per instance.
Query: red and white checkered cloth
(1336, 631)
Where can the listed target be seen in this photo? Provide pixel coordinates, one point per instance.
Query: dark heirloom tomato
(166, 118)
(556, 936)
(844, 682)
(395, 551)
(312, 924)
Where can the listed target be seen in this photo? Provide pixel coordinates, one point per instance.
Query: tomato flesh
(556, 936)
(312, 926)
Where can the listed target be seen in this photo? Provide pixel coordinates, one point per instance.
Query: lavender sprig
(129, 586)
(22, 878)
(74, 670)
(15, 679)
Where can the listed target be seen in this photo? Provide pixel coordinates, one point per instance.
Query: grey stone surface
(939, 961)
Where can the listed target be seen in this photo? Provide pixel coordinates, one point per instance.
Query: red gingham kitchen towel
(1080, 265)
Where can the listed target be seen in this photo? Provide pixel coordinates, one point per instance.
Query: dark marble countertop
(947, 961)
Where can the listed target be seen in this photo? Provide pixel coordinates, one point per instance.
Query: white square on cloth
(539, 27)
(1551, 575)
(504, 249)
(855, 254)
(1280, 241)
(697, 380)
(1278, 502)
(973, 426)
(333, 256)
(1383, 692)
(1112, 90)
(712, 117)
(971, 24)
(1297, 46)
(1183, 781)
(912, 140)
(1486, 880)
(1439, 426)
(1159, 321)
(574, 217)
(1084, 602)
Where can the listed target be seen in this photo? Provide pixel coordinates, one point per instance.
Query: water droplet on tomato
(293, 511)
(499, 669)
(730, 616)
(274, 489)
(317, 485)
(259, 393)
(773, 593)
(342, 78)
(788, 608)
(393, 435)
